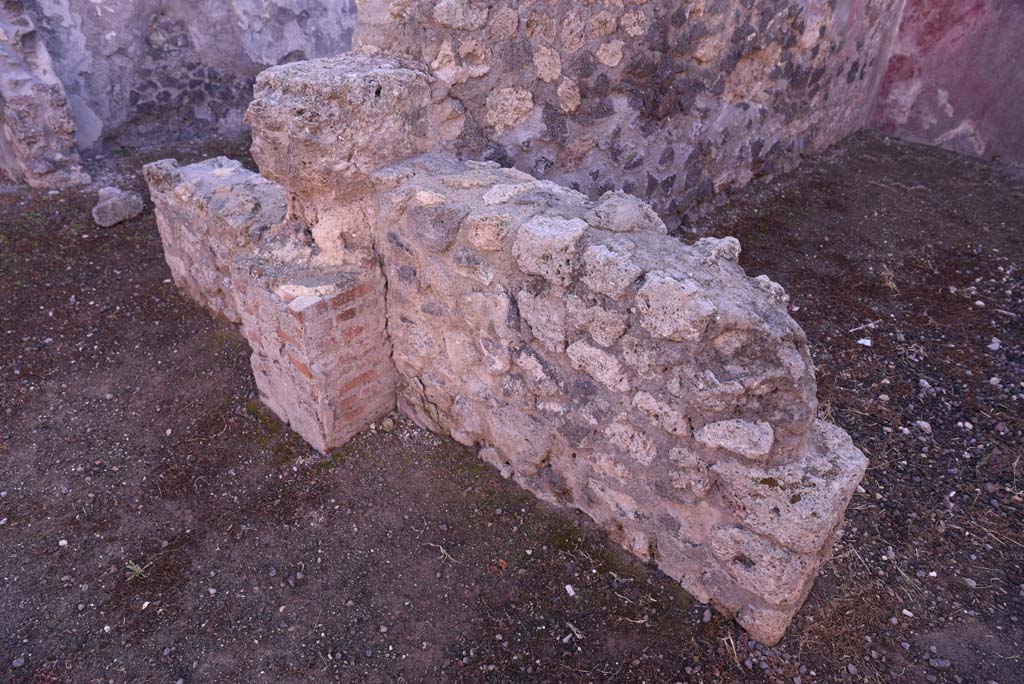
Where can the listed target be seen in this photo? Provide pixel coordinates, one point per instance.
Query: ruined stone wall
(592, 358)
(607, 367)
(159, 70)
(320, 354)
(208, 214)
(955, 78)
(677, 102)
(37, 132)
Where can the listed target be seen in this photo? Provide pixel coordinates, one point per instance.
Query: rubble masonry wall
(592, 358)
(605, 366)
(679, 102)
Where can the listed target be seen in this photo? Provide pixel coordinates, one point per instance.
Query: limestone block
(546, 316)
(548, 63)
(487, 231)
(600, 365)
(727, 248)
(674, 309)
(741, 437)
(623, 213)
(693, 471)
(460, 14)
(662, 414)
(507, 108)
(548, 246)
(608, 271)
(321, 127)
(606, 327)
(794, 503)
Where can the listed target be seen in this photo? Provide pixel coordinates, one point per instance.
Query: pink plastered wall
(956, 78)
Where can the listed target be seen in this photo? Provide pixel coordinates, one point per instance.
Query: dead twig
(732, 649)
(872, 324)
(444, 553)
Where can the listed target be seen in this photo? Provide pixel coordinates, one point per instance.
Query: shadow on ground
(158, 525)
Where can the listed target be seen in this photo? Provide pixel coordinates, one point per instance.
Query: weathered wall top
(329, 124)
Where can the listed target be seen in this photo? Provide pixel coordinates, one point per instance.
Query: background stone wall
(679, 102)
(145, 70)
(675, 101)
(955, 78)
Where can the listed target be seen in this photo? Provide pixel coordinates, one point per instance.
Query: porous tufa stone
(727, 248)
(487, 231)
(608, 271)
(600, 365)
(548, 247)
(546, 316)
(674, 309)
(460, 14)
(741, 437)
(620, 212)
(507, 108)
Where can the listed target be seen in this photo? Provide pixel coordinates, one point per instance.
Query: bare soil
(158, 525)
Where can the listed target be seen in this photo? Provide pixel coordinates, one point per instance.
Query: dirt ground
(157, 525)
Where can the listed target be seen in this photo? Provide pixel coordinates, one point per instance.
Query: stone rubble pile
(592, 358)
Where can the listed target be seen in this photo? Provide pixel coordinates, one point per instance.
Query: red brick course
(325, 367)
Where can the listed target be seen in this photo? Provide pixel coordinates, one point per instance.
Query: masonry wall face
(676, 102)
(160, 70)
(605, 366)
(208, 214)
(320, 354)
(955, 77)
